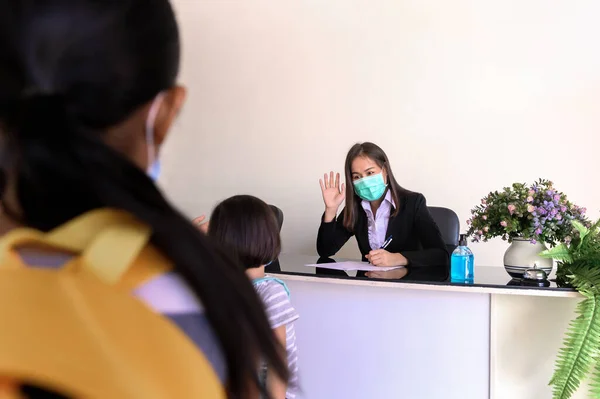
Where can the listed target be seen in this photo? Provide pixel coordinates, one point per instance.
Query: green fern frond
(586, 280)
(595, 382)
(560, 253)
(580, 351)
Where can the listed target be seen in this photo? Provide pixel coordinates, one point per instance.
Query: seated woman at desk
(380, 213)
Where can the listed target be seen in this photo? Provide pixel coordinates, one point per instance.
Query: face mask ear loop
(150, 122)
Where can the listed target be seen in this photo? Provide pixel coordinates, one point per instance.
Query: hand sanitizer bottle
(461, 263)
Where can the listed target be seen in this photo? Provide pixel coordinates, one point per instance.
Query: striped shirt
(166, 294)
(281, 312)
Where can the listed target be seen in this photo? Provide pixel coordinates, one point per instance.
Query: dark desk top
(485, 276)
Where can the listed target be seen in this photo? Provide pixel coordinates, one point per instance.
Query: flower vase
(522, 255)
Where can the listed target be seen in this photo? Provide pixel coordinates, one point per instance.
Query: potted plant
(579, 266)
(531, 218)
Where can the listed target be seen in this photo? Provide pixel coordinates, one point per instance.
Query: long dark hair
(247, 228)
(69, 71)
(375, 153)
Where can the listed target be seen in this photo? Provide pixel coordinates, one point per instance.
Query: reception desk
(369, 339)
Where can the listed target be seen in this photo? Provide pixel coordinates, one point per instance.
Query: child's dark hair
(247, 228)
(71, 70)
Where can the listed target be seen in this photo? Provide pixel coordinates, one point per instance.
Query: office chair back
(278, 214)
(449, 225)
(275, 267)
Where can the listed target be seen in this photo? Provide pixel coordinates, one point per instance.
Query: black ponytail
(118, 57)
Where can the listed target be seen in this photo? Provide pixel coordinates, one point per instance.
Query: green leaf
(586, 279)
(595, 382)
(560, 253)
(580, 349)
(583, 231)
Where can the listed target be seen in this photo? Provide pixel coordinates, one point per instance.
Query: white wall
(466, 96)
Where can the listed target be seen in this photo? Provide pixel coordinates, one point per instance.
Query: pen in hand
(385, 244)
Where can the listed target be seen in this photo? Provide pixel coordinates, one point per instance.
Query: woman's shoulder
(411, 198)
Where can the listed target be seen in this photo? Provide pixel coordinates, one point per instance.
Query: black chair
(278, 214)
(449, 225)
(275, 267)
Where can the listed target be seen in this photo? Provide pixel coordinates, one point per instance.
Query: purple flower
(563, 208)
(538, 231)
(556, 197)
(533, 241)
(559, 217)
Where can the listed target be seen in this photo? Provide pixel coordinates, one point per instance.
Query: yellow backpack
(79, 331)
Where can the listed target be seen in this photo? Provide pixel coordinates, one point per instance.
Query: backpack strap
(9, 389)
(100, 326)
(111, 244)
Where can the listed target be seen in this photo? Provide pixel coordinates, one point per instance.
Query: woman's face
(364, 166)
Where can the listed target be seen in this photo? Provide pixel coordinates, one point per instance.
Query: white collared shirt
(377, 226)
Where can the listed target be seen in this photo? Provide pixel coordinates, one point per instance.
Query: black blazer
(415, 235)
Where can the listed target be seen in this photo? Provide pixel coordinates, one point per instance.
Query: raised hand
(333, 194)
(202, 226)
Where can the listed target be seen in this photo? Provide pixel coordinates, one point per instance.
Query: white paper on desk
(364, 266)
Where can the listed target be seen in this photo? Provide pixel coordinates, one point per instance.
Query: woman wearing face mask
(88, 93)
(380, 213)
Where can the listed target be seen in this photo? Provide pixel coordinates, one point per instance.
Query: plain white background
(466, 96)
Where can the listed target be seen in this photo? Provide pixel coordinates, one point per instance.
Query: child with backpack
(106, 290)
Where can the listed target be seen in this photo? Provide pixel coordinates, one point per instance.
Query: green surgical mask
(370, 188)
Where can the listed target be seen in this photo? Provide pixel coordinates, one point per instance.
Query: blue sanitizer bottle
(461, 262)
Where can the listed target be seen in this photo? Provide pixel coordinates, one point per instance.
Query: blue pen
(386, 243)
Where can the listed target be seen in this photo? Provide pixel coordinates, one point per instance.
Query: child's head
(247, 228)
